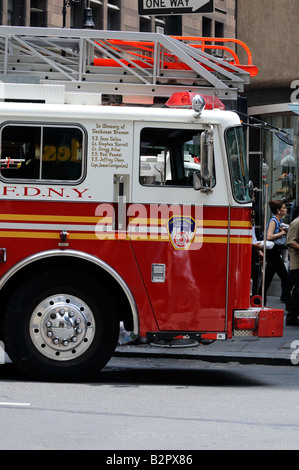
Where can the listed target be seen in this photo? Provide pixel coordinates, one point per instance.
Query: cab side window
(34, 152)
(169, 156)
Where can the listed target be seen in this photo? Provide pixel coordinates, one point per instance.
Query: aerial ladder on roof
(136, 65)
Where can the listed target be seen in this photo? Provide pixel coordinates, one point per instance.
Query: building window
(173, 25)
(38, 13)
(219, 29)
(281, 162)
(113, 15)
(206, 27)
(145, 24)
(219, 33)
(97, 13)
(10, 13)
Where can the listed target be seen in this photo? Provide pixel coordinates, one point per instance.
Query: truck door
(179, 236)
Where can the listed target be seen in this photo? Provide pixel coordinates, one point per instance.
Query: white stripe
(144, 229)
(103, 228)
(221, 231)
(239, 231)
(14, 404)
(54, 227)
(200, 231)
(211, 231)
(135, 229)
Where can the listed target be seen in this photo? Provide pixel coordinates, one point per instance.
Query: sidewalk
(274, 351)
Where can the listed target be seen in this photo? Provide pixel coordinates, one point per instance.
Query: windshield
(238, 164)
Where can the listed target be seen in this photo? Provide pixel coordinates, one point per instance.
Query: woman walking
(275, 264)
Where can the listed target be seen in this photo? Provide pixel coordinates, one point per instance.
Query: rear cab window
(42, 152)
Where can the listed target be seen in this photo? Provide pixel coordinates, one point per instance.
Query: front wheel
(60, 327)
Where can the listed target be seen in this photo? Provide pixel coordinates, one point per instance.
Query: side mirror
(206, 158)
(251, 189)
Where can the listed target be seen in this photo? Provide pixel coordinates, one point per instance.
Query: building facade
(270, 29)
(117, 15)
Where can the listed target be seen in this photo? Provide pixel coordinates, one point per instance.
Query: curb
(212, 357)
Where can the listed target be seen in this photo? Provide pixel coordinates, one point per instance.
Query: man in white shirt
(293, 247)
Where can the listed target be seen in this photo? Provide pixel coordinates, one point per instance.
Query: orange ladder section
(144, 52)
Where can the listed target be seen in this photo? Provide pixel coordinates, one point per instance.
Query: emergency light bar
(184, 100)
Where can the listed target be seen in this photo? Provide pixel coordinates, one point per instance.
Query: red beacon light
(186, 99)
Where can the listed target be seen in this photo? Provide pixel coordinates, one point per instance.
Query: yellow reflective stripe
(51, 218)
(241, 241)
(91, 219)
(241, 223)
(6, 234)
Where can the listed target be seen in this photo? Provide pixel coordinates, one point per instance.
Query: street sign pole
(174, 7)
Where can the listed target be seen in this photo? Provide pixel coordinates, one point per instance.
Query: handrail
(206, 44)
(201, 43)
(205, 40)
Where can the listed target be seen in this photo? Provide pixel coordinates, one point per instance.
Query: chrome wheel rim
(62, 327)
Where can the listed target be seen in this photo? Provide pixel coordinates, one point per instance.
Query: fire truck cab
(109, 214)
(129, 214)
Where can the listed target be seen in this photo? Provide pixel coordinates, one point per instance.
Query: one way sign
(174, 7)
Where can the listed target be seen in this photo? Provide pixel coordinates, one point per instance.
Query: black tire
(55, 306)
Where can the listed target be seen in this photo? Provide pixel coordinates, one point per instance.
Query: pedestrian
(293, 247)
(275, 264)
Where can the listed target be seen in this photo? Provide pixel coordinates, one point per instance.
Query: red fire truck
(111, 214)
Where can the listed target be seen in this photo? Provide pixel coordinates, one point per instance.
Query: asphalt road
(154, 404)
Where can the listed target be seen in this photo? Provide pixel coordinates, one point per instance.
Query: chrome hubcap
(62, 327)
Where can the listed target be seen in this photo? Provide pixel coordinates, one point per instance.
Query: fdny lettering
(34, 192)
